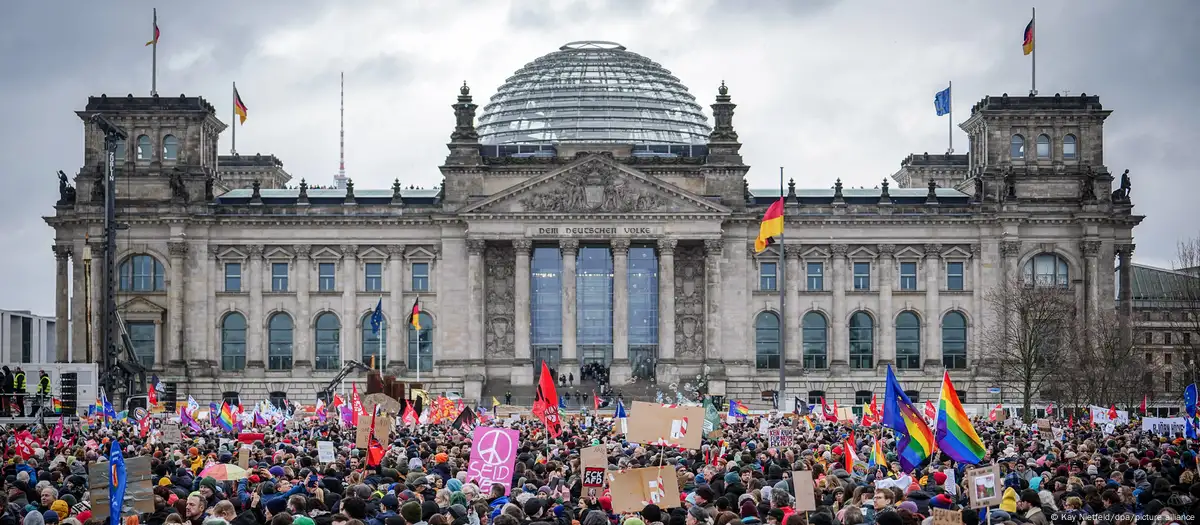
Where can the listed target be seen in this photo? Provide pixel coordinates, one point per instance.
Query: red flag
(992, 415)
(595, 400)
(1144, 399)
(338, 401)
(930, 410)
(1050, 410)
(410, 416)
(1112, 413)
(375, 450)
(875, 413)
(152, 396)
(1071, 421)
(356, 406)
(545, 405)
(829, 414)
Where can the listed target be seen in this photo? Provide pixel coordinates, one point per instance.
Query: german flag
(771, 227)
(239, 108)
(416, 314)
(1027, 45)
(154, 41)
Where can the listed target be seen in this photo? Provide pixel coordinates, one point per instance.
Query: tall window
(1043, 147)
(862, 341)
(545, 308)
(420, 346)
(374, 273)
(420, 277)
(374, 344)
(954, 276)
(1016, 148)
(326, 277)
(913, 395)
(816, 276)
(279, 277)
(142, 335)
(815, 335)
(766, 340)
(233, 277)
(767, 276)
(815, 397)
(278, 399)
(594, 304)
(119, 154)
(862, 276)
(908, 276)
(170, 148)
(643, 309)
(908, 341)
(329, 342)
(954, 341)
(1069, 151)
(144, 150)
(26, 339)
(1047, 270)
(233, 342)
(861, 398)
(142, 273)
(279, 342)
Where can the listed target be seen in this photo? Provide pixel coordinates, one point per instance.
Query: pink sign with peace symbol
(493, 455)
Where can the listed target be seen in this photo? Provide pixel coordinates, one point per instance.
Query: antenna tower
(340, 178)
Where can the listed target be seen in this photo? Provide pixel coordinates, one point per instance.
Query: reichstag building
(592, 212)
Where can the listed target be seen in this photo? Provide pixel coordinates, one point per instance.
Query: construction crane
(351, 367)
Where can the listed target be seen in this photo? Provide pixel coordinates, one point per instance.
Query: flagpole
(154, 57)
(233, 117)
(1033, 57)
(950, 113)
(381, 335)
(418, 320)
(781, 285)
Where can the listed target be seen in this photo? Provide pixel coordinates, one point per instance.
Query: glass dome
(593, 91)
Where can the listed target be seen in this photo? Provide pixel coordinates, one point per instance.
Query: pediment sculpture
(594, 188)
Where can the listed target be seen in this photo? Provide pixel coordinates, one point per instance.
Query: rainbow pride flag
(225, 419)
(955, 436)
(877, 457)
(737, 409)
(914, 440)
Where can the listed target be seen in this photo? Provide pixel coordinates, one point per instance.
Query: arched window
(141, 273)
(233, 342)
(815, 396)
(908, 341)
(170, 147)
(1016, 148)
(279, 342)
(1069, 151)
(420, 345)
(144, 150)
(329, 336)
(954, 341)
(374, 344)
(233, 398)
(119, 154)
(1046, 270)
(815, 335)
(1043, 147)
(862, 340)
(766, 340)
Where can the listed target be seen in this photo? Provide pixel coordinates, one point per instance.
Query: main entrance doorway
(643, 360)
(551, 355)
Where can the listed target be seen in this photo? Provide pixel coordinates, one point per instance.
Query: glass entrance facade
(545, 308)
(643, 310)
(594, 304)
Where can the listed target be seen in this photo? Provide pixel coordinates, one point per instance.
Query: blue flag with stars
(941, 102)
(116, 484)
(377, 317)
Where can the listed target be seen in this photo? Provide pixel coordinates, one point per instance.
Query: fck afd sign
(493, 455)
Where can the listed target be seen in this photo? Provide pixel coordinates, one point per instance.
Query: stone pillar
(1125, 295)
(620, 251)
(349, 298)
(95, 312)
(1091, 252)
(198, 322)
(793, 276)
(177, 251)
(256, 344)
(62, 301)
(1009, 275)
(974, 328)
(79, 317)
(887, 317)
(522, 369)
(570, 356)
(713, 248)
(212, 332)
(398, 312)
(838, 336)
(933, 307)
(305, 350)
(475, 306)
(666, 300)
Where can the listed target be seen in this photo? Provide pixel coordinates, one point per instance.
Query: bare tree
(1025, 341)
(1187, 303)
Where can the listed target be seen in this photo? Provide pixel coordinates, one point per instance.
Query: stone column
(211, 331)
(177, 251)
(792, 351)
(398, 313)
(887, 317)
(933, 307)
(1091, 252)
(1125, 295)
(79, 318)
(61, 304)
(620, 250)
(713, 248)
(522, 370)
(475, 306)
(570, 356)
(256, 344)
(305, 350)
(349, 298)
(1009, 275)
(666, 299)
(199, 320)
(974, 330)
(837, 334)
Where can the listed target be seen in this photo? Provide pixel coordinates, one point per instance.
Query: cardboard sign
(325, 452)
(779, 437)
(171, 434)
(383, 428)
(244, 458)
(386, 404)
(1043, 425)
(1164, 426)
(362, 436)
(633, 489)
(985, 486)
(493, 456)
(946, 517)
(802, 484)
(679, 426)
(139, 489)
(846, 415)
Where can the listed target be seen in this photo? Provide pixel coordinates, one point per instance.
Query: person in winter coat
(1030, 506)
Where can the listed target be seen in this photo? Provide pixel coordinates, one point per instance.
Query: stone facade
(283, 259)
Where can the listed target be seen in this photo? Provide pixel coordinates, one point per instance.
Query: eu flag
(941, 102)
(377, 317)
(116, 484)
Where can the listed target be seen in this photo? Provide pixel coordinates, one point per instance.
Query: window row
(815, 341)
(907, 276)
(327, 277)
(327, 332)
(1168, 338)
(144, 150)
(864, 397)
(1042, 148)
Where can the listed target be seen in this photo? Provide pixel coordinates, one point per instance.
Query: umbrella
(225, 472)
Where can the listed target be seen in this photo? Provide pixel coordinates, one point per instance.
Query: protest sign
(1100, 416)
(802, 484)
(946, 517)
(493, 455)
(985, 486)
(325, 453)
(1164, 426)
(633, 489)
(779, 437)
(681, 426)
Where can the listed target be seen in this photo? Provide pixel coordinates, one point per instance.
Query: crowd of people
(1084, 475)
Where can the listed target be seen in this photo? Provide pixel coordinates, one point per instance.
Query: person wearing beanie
(411, 512)
(61, 508)
(748, 509)
(1008, 502)
(1030, 506)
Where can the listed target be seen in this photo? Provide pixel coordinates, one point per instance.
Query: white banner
(1100, 416)
(1164, 426)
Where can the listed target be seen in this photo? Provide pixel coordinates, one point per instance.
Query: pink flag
(56, 436)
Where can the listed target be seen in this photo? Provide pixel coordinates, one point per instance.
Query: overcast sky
(828, 89)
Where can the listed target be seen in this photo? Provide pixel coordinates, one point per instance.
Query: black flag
(465, 420)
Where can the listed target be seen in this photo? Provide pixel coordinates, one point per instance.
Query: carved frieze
(689, 302)
(499, 307)
(1010, 248)
(839, 250)
(594, 187)
(177, 249)
(933, 250)
(303, 251)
